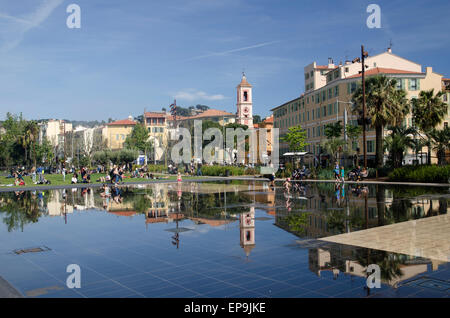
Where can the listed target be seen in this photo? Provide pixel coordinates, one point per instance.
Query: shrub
(222, 171)
(325, 174)
(436, 174)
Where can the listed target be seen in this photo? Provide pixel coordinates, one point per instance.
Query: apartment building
(116, 132)
(328, 94)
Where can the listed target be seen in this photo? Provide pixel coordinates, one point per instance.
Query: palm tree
(386, 105)
(333, 144)
(428, 112)
(28, 137)
(441, 141)
(397, 142)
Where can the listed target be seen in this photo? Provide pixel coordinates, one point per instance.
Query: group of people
(300, 174)
(189, 169)
(85, 175)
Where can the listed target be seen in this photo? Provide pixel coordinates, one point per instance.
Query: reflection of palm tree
(389, 263)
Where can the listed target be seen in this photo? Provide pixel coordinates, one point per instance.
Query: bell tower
(244, 115)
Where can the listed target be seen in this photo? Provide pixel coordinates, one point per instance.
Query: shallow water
(236, 239)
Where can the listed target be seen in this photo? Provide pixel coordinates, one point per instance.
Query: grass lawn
(57, 179)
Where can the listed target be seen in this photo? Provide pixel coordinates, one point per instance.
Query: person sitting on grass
(19, 182)
(74, 179)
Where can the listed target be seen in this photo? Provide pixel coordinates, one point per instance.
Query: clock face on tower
(246, 110)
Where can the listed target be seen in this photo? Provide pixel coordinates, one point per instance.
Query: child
(287, 184)
(179, 177)
(342, 173)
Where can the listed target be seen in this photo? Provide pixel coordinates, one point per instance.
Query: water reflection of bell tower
(247, 227)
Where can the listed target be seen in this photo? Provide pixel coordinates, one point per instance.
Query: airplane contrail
(234, 50)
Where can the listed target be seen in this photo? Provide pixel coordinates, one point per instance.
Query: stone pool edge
(7, 290)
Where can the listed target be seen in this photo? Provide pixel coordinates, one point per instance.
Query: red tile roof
(210, 113)
(212, 222)
(382, 70)
(122, 122)
(124, 213)
(244, 82)
(269, 119)
(155, 114)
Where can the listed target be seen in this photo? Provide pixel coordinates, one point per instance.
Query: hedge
(436, 174)
(222, 171)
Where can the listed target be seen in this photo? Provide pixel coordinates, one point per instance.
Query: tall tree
(333, 144)
(138, 139)
(428, 112)
(296, 137)
(386, 105)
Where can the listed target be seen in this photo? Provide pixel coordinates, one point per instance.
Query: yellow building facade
(332, 102)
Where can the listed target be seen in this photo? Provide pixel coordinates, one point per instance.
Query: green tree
(428, 112)
(333, 130)
(138, 139)
(398, 142)
(386, 106)
(295, 137)
(334, 143)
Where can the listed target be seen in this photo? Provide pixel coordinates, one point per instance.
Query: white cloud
(193, 95)
(16, 27)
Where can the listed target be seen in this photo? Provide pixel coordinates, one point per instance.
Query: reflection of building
(340, 259)
(57, 205)
(247, 230)
(160, 208)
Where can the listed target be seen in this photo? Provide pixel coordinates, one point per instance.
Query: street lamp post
(363, 66)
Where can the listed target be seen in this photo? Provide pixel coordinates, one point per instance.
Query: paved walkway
(428, 238)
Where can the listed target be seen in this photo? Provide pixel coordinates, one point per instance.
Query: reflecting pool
(230, 239)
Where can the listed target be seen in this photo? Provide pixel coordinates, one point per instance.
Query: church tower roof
(244, 82)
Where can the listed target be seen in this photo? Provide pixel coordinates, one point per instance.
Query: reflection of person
(272, 179)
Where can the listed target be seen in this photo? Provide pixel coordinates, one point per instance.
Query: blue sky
(131, 55)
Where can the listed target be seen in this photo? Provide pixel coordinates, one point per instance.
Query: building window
(413, 84)
(370, 146)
